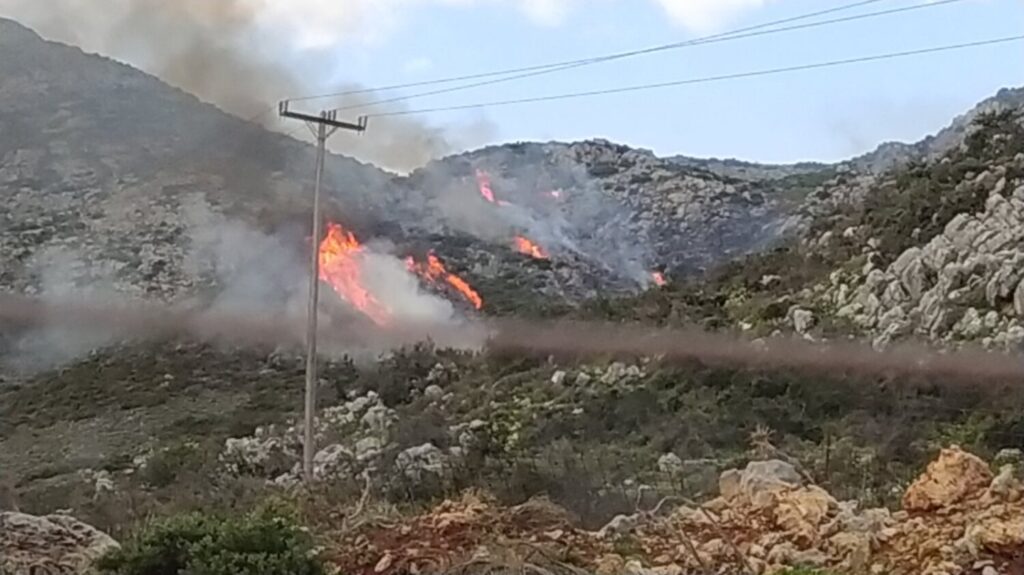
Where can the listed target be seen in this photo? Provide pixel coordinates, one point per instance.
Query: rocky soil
(957, 517)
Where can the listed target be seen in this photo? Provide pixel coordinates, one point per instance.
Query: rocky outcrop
(963, 285)
(947, 481)
(352, 437)
(956, 518)
(50, 544)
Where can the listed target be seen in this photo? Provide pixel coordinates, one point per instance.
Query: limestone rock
(50, 544)
(670, 463)
(803, 320)
(955, 475)
(415, 462)
(771, 475)
(729, 483)
(799, 512)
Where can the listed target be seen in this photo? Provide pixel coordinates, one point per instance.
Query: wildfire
(341, 267)
(525, 246)
(556, 194)
(483, 180)
(659, 279)
(433, 271)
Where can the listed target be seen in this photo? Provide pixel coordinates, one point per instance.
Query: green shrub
(265, 542)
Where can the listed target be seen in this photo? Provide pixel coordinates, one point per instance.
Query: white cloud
(322, 23)
(418, 66)
(705, 16)
(335, 21)
(547, 12)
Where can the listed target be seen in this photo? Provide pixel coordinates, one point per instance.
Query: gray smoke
(63, 276)
(258, 274)
(241, 272)
(217, 50)
(545, 195)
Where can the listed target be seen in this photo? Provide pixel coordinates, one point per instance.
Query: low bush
(266, 542)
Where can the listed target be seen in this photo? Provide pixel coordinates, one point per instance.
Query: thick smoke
(399, 143)
(225, 53)
(242, 272)
(259, 274)
(545, 194)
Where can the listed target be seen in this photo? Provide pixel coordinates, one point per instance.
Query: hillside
(116, 185)
(146, 167)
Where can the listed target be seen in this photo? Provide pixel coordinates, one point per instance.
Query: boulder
(803, 320)
(670, 464)
(951, 478)
(729, 483)
(50, 544)
(801, 511)
(771, 475)
(426, 459)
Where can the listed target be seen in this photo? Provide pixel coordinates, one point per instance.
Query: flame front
(483, 180)
(434, 271)
(341, 267)
(659, 279)
(525, 246)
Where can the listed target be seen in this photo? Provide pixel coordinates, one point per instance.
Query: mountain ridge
(132, 157)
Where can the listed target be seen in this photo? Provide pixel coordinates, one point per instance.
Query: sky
(824, 115)
(821, 115)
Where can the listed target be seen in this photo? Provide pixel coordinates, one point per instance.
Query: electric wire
(707, 79)
(584, 61)
(727, 37)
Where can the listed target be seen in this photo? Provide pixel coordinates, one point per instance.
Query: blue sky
(817, 115)
(824, 115)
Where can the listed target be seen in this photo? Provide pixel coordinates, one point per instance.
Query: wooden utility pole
(323, 127)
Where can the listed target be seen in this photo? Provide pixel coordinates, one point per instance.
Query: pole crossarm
(329, 117)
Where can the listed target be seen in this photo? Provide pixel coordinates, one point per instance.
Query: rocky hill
(114, 179)
(109, 174)
(114, 184)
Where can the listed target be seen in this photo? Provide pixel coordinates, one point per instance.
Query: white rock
(803, 320)
(670, 463)
(433, 392)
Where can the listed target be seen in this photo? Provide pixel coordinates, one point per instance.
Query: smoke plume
(226, 53)
(241, 272)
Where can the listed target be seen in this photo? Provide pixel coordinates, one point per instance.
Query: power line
(690, 43)
(696, 42)
(574, 63)
(636, 88)
(738, 34)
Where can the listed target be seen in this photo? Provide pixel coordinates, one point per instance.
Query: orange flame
(525, 246)
(483, 180)
(659, 279)
(341, 268)
(434, 270)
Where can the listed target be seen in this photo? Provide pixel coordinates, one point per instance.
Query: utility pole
(323, 127)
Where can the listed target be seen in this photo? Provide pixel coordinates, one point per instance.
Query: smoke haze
(223, 52)
(242, 272)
